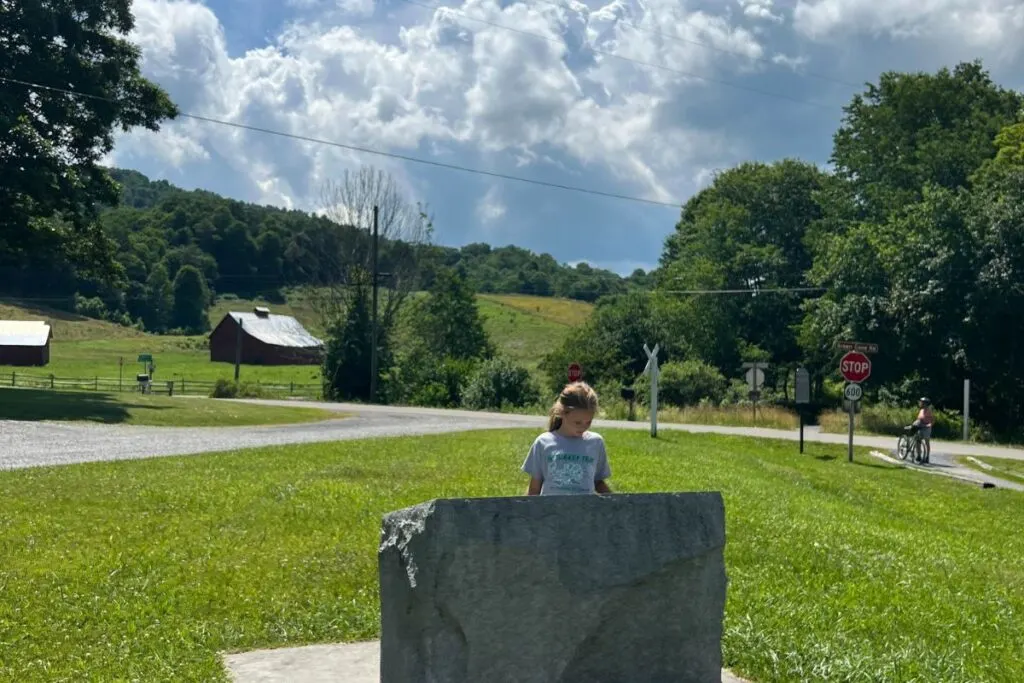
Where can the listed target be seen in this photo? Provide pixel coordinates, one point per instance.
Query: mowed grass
(1012, 470)
(525, 328)
(138, 409)
(145, 570)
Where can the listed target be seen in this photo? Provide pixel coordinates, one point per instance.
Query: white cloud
(760, 9)
(996, 25)
(490, 207)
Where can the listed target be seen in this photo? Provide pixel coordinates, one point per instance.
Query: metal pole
(238, 349)
(967, 409)
(852, 409)
(654, 396)
(801, 431)
(373, 330)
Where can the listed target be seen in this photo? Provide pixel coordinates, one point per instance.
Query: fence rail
(171, 387)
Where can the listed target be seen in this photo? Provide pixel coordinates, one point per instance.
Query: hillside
(522, 327)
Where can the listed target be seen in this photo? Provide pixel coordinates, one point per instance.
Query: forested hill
(245, 248)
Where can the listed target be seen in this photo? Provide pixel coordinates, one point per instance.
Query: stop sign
(855, 367)
(575, 372)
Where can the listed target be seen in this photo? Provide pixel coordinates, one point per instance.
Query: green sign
(145, 358)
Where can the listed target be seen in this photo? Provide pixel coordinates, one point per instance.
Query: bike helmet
(925, 400)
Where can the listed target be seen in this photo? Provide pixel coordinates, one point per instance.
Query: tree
(915, 129)
(745, 232)
(498, 383)
(50, 178)
(448, 322)
(191, 301)
(159, 301)
(346, 365)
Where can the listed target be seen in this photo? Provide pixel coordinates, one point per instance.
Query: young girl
(567, 459)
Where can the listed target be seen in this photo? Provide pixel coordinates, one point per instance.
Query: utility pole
(238, 349)
(373, 331)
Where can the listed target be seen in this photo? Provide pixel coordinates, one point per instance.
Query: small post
(853, 408)
(51, 380)
(14, 379)
(801, 429)
(238, 349)
(96, 384)
(967, 410)
(170, 388)
(652, 367)
(120, 374)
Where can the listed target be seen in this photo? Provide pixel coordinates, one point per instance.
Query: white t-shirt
(567, 465)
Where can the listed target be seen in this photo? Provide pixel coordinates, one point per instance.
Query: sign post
(575, 372)
(855, 367)
(755, 379)
(803, 397)
(652, 367)
(967, 410)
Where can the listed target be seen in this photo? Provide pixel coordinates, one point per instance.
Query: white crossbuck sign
(652, 368)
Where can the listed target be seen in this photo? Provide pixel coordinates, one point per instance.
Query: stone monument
(554, 589)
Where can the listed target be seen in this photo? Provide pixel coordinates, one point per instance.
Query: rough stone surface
(559, 589)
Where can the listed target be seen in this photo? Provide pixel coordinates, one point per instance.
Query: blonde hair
(575, 396)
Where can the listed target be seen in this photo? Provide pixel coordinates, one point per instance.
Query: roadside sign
(855, 367)
(575, 372)
(853, 392)
(145, 358)
(863, 347)
(755, 378)
(803, 386)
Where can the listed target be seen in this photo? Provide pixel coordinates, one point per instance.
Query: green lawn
(1013, 470)
(138, 409)
(145, 570)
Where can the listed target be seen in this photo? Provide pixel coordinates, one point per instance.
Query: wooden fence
(179, 385)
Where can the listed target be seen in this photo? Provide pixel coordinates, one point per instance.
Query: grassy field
(145, 570)
(137, 409)
(768, 417)
(524, 327)
(1013, 470)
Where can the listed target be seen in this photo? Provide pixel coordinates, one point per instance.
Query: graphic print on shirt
(568, 471)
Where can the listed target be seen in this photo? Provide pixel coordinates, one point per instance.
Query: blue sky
(569, 108)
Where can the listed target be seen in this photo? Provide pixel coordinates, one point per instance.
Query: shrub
(227, 388)
(684, 384)
(441, 385)
(499, 383)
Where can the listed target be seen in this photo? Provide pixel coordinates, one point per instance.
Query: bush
(499, 383)
(227, 388)
(890, 421)
(684, 384)
(91, 307)
(442, 384)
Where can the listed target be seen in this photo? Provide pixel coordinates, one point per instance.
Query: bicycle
(911, 443)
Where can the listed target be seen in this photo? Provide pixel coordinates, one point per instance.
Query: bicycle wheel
(903, 447)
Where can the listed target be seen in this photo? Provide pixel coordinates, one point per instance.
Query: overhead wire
(366, 150)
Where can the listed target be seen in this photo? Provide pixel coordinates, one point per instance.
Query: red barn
(24, 342)
(266, 339)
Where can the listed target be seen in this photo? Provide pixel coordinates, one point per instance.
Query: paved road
(27, 444)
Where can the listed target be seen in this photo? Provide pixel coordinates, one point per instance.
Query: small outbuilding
(25, 342)
(266, 339)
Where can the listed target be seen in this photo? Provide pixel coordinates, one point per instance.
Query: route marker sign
(853, 392)
(855, 367)
(575, 372)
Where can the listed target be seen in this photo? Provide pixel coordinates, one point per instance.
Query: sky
(642, 99)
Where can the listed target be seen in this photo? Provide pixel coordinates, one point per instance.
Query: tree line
(914, 241)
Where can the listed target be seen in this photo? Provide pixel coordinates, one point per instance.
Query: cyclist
(925, 420)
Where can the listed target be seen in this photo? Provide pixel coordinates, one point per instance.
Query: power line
(631, 60)
(365, 150)
(767, 290)
(691, 41)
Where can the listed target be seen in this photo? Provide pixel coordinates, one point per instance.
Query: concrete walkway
(341, 663)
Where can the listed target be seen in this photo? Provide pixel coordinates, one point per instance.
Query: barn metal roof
(24, 333)
(277, 330)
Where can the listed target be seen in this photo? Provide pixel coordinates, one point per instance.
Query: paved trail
(28, 444)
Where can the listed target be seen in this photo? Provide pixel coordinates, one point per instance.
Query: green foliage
(227, 388)
(346, 364)
(609, 345)
(191, 301)
(50, 178)
(890, 421)
(499, 383)
(447, 321)
(686, 383)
